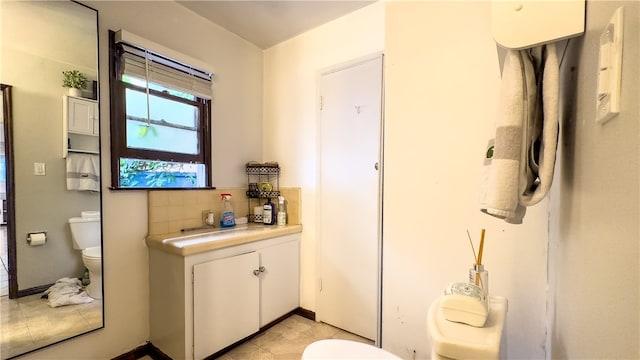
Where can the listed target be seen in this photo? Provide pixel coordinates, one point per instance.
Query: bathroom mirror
(39, 40)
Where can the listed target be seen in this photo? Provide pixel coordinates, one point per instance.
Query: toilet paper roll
(37, 239)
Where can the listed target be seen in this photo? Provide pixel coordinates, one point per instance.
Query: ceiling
(267, 23)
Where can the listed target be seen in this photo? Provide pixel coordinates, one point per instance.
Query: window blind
(155, 68)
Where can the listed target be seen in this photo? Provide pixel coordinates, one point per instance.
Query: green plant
(74, 79)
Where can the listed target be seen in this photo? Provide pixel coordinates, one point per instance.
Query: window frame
(119, 149)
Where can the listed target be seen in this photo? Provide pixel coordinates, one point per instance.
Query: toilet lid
(344, 349)
(92, 252)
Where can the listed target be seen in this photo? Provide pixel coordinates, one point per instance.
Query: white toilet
(449, 340)
(86, 236)
(344, 349)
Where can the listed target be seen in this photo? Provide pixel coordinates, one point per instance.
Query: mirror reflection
(50, 228)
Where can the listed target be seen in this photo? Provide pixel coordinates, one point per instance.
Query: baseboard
(144, 350)
(33, 290)
(311, 315)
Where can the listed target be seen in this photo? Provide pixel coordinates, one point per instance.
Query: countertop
(198, 241)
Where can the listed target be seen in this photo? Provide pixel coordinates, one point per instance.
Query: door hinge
(320, 284)
(321, 103)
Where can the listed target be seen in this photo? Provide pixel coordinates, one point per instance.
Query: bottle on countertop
(269, 213)
(282, 212)
(479, 277)
(228, 218)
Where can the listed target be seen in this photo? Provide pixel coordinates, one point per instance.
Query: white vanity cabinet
(204, 302)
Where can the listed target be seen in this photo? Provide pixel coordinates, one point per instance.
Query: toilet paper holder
(37, 238)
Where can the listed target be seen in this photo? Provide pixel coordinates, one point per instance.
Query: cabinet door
(280, 281)
(225, 302)
(81, 116)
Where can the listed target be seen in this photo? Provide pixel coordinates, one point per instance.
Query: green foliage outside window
(152, 174)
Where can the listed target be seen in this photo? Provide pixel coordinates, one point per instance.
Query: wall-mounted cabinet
(80, 125)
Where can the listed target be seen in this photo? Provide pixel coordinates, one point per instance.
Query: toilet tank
(85, 230)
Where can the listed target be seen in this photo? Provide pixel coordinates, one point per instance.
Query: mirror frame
(8, 124)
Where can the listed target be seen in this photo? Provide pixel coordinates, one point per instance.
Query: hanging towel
(83, 172)
(519, 161)
(537, 173)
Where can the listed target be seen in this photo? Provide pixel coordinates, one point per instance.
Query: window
(160, 120)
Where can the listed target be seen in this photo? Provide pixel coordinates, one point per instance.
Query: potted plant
(75, 81)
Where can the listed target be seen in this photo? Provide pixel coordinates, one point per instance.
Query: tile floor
(29, 322)
(287, 340)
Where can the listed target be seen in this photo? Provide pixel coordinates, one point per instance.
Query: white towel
(519, 161)
(67, 291)
(537, 174)
(83, 172)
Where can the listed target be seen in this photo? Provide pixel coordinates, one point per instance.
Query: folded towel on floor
(67, 291)
(519, 161)
(83, 172)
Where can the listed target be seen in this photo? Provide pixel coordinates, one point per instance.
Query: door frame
(318, 232)
(7, 123)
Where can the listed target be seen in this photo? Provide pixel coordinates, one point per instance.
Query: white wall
(594, 240)
(442, 79)
(237, 119)
(290, 103)
(442, 86)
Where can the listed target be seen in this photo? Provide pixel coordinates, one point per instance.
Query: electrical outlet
(39, 169)
(208, 218)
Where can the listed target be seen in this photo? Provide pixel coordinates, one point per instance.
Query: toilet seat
(344, 349)
(92, 252)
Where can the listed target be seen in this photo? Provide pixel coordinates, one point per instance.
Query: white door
(225, 302)
(350, 193)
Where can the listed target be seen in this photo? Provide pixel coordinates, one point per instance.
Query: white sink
(198, 241)
(215, 235)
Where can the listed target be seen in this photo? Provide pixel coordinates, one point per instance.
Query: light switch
(610, 69)
(39, 169)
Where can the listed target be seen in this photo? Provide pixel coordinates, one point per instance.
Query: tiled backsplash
(173, 210)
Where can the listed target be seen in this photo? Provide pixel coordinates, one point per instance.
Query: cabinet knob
(259, 270)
